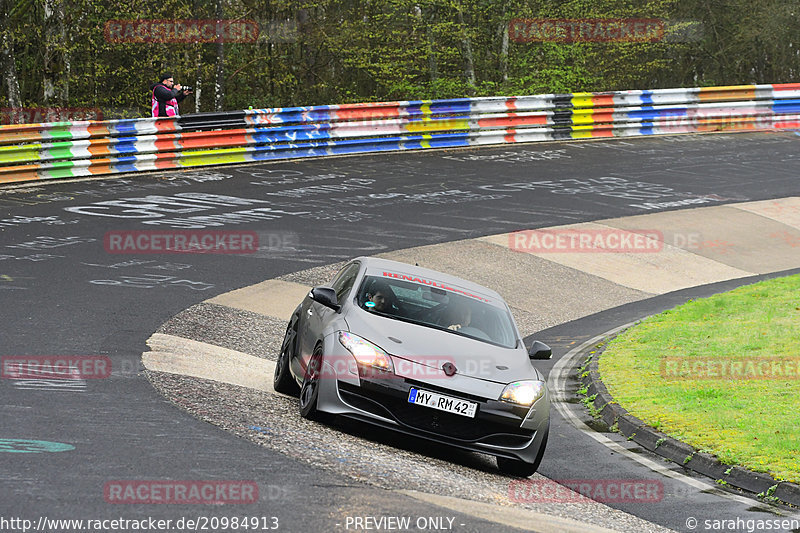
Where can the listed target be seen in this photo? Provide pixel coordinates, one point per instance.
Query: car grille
(448, 424)
(434, 421)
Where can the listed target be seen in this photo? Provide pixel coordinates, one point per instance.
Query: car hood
(432, 348)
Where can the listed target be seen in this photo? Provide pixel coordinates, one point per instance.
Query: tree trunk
(199, 64)
(504, 53)
(55, 35)
(433, 65)
(9, 64)
(503, 29)
(65, 78)
(469, 63)
(219, 84)
(48, 83)
(10, 79)
(198, 79)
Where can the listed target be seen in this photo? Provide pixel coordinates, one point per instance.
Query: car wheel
(309, 392)
(283, 380)
(519, 468)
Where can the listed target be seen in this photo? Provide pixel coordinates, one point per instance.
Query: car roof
(376, 265)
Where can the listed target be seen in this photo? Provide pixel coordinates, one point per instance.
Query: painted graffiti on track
(33, 446)
(44, 242)
(156, 210)
(151, 281)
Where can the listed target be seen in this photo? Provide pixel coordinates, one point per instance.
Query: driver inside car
(381, 298)
(458, 317)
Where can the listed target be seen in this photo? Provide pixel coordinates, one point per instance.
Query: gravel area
(231, 328)
(314, 276)
(379, 457)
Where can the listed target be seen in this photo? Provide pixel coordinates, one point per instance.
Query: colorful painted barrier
(73, 149)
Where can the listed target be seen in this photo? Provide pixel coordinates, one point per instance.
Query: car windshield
(439, 306)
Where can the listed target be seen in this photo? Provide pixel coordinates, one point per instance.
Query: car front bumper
(498, 428)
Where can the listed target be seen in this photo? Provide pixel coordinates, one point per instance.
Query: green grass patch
(721, 374)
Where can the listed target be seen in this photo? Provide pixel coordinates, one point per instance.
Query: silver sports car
(422, 353)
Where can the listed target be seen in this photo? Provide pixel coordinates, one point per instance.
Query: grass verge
(721, 374)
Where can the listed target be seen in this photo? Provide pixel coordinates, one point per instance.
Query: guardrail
(86, 148)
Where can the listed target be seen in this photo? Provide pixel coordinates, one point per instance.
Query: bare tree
(8, 61)
(219, 84)
(433, 65)
(466, 43)
(54, 36)
(502, 29)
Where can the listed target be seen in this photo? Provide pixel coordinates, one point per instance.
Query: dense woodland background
(55, 52)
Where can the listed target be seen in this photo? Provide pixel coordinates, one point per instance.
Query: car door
(315, 317)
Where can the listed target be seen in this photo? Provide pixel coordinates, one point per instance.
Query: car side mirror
(540, 350)
(325, 296)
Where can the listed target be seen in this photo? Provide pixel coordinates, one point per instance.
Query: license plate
(442, 402)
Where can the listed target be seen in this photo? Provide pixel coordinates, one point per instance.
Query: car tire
(519, 468)
(283, 380)
(309, 392)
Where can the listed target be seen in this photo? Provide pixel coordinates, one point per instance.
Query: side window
(344, 281)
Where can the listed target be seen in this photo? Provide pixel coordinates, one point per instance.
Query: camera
(187, 88)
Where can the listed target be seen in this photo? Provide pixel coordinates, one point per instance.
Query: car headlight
(366, 353)
(523, 392)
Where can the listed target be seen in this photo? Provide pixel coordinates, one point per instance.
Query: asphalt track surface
(64, 294)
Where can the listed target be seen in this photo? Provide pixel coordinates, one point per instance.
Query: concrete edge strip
(675, 450)
(659, 282)
(509, 516)
(273, 297)
(187, 357)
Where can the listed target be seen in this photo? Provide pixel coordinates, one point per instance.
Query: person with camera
(165, 96)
